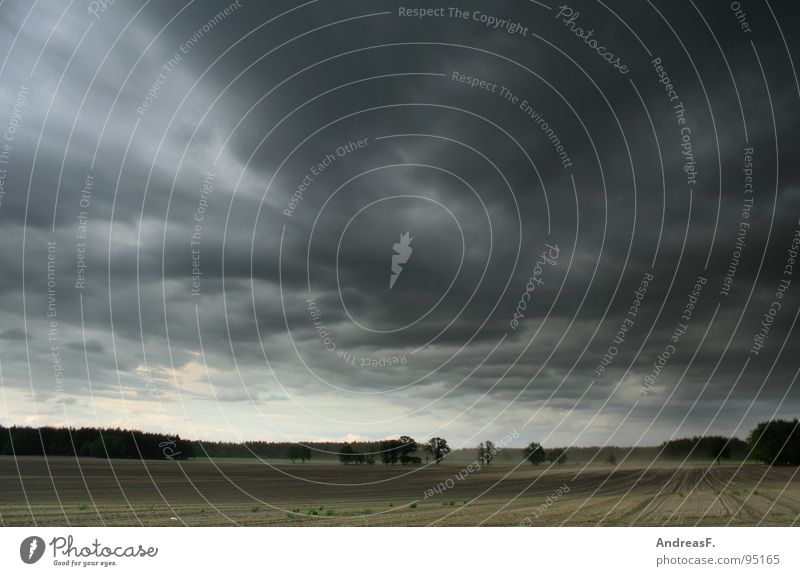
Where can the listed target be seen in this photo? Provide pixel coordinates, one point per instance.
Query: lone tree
(534, 453)
(438, 449)
(297, 452)
(557, 455)
(776, 442)
(486, 452)
(347, 454)
(718, 447)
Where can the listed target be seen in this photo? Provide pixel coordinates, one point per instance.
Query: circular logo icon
(31, 550)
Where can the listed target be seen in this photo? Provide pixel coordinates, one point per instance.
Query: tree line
(711, 447)
(122, 443)
(94, 442)
(401, 450)
(535, 453)
(774, 442)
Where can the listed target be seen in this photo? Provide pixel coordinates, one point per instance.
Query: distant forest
(122, 443)
(776, 442)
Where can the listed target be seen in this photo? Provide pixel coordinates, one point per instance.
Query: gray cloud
(473, 175)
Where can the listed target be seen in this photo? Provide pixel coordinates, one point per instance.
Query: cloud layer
(200, 210)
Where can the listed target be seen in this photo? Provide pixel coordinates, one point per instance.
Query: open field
(60, 492)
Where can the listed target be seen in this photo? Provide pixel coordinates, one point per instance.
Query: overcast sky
(204, 244)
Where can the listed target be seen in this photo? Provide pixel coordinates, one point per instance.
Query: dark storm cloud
(474, 178)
